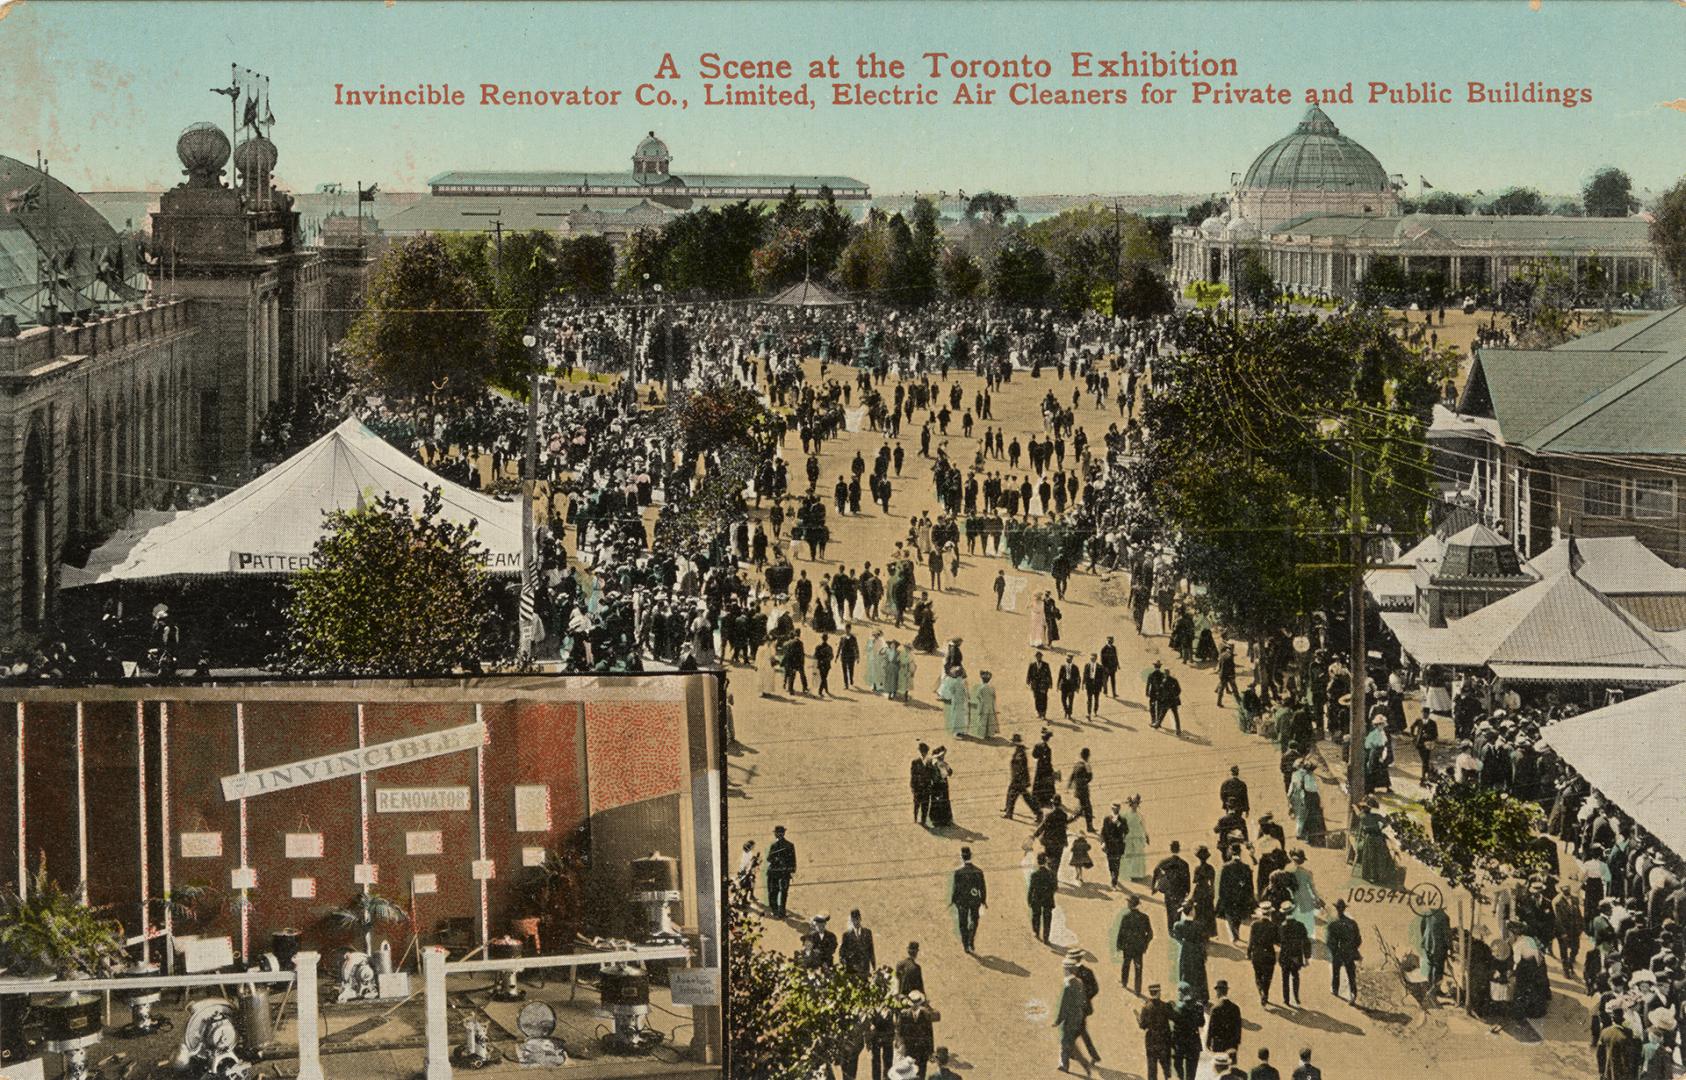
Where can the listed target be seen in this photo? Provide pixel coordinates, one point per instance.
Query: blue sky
(104, 88)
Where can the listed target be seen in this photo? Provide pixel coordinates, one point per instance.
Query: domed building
(1320, 210)
(58, 255)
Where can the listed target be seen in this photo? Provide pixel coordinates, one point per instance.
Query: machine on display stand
(71, 1025)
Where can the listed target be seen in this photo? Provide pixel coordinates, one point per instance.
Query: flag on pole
(367, 194)
(1423, 180)
(28, 198)
(249, 117)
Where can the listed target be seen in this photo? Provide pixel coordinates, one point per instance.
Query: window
(1602, 497)
(1653, 498)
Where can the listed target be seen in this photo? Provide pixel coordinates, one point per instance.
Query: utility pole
(1355, 605)
(530, 491)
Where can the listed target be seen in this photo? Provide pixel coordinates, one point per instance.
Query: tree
(992, 205)
(915, 251)
(1254, 282)
(585, 266)
(366, 911)
(1445, 202)
(864, 265)
(1668, 234)
(803, 240)
(423, 329)
(1518, 202)
(1609, 194)
(1144, 293)
(725, 414)
(1238, 472)
(784, 1018)
(1204, 209)
(393, 593)
(1477, 836)
(962, 279)
(1019, 274)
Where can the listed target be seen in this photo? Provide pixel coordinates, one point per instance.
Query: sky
(103, 89)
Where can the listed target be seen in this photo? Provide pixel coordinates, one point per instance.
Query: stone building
(108, 399)
(1321, 211)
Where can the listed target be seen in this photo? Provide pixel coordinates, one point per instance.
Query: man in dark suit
(1171, 880)
(1135, 932)
(1233, 792)
(909, 975)
(795, 665)
(1040, 678)
(1094, 678)
(1113, 831)
(848, 653)
(1155, 1021)
(1040, 896)
(1155, 691)
(820, 942)
(856, 950)
(1343, 939)
(1109, 664)
(1018, 778)
(919, 778)
(1223, 1026)
(1188, 1019)
(1070, 681)
(1306, 1070)
(823, 655)
(969, 894)
(781, 867)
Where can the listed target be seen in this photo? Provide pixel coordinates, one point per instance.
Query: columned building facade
(1321, 211)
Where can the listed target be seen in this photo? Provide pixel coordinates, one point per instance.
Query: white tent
(270, 526)
(1633, 753)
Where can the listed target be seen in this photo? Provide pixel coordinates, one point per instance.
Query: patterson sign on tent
(351, 762)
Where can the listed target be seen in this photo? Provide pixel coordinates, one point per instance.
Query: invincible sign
(351, 762)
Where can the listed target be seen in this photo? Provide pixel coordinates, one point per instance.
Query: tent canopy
(805, 294)
(1562, 623)
(271, 525)
(1633, 753)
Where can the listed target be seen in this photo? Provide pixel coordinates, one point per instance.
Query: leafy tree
(962, 279)
(802, 240)
(709, 250)
(642, 261)
(585, 266)
(1477, 837)
(1144, 293)
(1254, 283)
(725, 414)
(915, 254)
(423, 328)
(1668, 234)
(784, 1018)
(1518, 202)
(1159, 235)
(366, 911)
(1609, 194)
(1204, 209)
(1019, 275)
(1444, 202)
(864, 265)
(392, 592)
(991, 205)
(1246, 506)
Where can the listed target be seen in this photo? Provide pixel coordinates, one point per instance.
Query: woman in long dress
(1038, 622)
(1378, 755)
(770, 673)
(1133, 866)
(1204, 896)
(889, 664)
(1050, 618)
(904, 673)
(875, 662)
(981, 721)
(1188, 954)
(953, 693)
(1373, 861)
(1305, 799)
(1306, 900)
(942, 808)
(825, 619)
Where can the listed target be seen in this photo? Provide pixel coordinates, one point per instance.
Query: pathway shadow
(957, 832)
(739, 749)
(1002, 965)
(1320, 1020)
(1224, 951)
(921, 706)
(1386, 1016)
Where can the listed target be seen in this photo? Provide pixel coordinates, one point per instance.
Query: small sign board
(424, 884)
(304, 845)
(694, 986)
(201, 845)
(532, 856)
(482, 870)
(304, 888)
(424, 843)
(532, 808)
(421, 800)
(243, 877)
(366, 874)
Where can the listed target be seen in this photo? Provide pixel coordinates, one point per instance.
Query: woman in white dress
(1038, 622)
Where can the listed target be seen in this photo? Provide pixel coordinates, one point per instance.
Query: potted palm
(50, 932)
(366, 910)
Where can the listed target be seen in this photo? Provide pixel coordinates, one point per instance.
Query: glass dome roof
(1316, 157)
